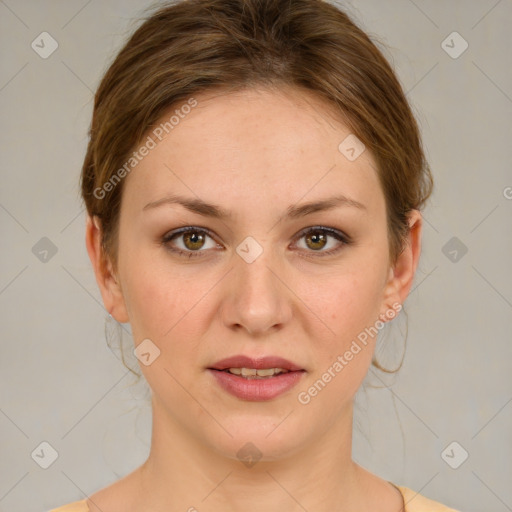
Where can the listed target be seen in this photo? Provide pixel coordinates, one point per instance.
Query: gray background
(63, 385)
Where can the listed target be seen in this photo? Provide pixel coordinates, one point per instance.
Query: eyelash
(338, 235)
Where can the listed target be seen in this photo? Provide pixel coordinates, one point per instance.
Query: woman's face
(285, 255)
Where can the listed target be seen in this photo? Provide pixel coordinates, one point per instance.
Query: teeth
(255, 374)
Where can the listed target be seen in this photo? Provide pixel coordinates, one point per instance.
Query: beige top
(414, 502)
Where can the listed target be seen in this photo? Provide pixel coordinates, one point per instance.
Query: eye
(189, 241)
(323, 240)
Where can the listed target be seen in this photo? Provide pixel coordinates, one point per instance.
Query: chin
(260, 438)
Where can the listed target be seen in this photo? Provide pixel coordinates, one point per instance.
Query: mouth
(256, 379)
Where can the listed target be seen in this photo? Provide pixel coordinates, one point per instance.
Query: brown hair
(188, 47)
(192, 46)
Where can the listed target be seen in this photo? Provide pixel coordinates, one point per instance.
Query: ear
(110, 289)
(401, 274)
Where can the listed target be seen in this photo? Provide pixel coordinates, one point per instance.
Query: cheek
(168, 307)
(158, 305)
(346, 304)
(152, 297)
(350, 306)
(163, 308)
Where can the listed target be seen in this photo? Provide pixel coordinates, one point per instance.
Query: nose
(257, 299)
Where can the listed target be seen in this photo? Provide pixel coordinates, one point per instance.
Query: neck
(184, 473)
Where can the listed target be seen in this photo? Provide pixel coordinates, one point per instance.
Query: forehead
(252, 145)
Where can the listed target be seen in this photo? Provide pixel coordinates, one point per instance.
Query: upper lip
(241, 361)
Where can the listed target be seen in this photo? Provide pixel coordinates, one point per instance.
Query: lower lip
(257, 390)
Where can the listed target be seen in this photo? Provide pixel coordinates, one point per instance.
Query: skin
(255, 153)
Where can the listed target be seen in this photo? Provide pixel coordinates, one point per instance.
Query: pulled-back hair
(185, 48)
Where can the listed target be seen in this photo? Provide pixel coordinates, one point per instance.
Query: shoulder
(76, 506)
(415, 502)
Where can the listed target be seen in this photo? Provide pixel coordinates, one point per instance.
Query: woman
(253, 182)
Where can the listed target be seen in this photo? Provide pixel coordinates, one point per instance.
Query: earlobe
(401, 274)
(110, 289)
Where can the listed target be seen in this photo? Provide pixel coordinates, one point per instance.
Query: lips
(241, 361)
(245, 385)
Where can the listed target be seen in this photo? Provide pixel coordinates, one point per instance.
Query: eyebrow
(211, 210)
